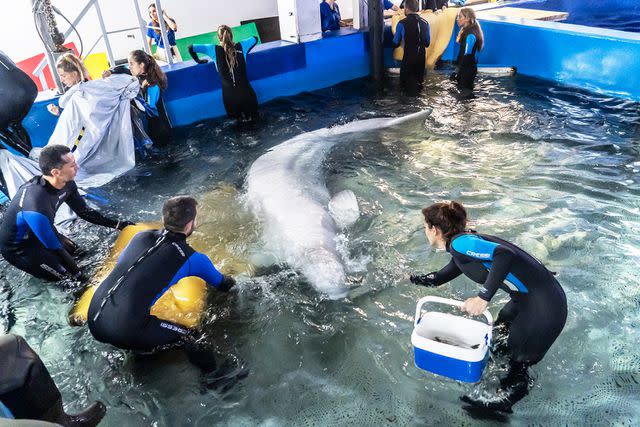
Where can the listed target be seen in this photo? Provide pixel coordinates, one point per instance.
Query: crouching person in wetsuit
(413, 31)
(154, 260)
(239, 98)
(533, 318)
(28, 237)
(28, 391)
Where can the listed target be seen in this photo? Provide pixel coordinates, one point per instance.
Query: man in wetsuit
(154, 260)
(28, 237)
(413, 32)
(534, 317)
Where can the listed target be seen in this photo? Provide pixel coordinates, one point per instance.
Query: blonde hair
(70, 63)
(226, 41)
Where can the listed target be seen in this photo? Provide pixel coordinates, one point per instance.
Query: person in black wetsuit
(17, 93)
(471, 40)
(239, 98)
(154, 260)
(534, 317)
(28, 237)
(149, 102)
(29, 392)
(435, 5)
(413, 32)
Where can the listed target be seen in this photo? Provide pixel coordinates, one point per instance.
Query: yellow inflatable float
(440, 29)
(223, 233)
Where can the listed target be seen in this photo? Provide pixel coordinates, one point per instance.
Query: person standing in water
(471, 41)
(534, 317)
(413, 33)
(239, 98)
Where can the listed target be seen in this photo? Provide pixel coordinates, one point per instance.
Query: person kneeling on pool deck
(154, 260)
(28, 391)
(29, 239)
(533, 318)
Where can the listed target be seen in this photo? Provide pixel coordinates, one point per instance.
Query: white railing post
(143, 26)
(105, 36)
(163, 30)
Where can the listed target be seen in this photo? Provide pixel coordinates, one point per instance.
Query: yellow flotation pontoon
(182, 304)
(440, 28)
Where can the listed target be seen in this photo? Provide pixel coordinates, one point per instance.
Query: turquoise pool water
(553, 169)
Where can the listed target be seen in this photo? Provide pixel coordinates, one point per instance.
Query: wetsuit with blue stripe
(28, 237)
(239, 98)
(537, 311)
(471, 43)
(119, 312)
(413, 32)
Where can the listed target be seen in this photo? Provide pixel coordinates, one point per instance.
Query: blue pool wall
(597, 59)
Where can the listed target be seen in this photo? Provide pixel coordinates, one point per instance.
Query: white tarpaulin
(102, 108)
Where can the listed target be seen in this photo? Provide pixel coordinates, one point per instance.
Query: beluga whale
(299, 219)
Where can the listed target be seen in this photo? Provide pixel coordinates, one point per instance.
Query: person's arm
(204, 49)
(389, 5)
(151, 103)
(79, 206)
(248, 45)
(427, 36)
(471, 42)
(169, 21)
(397, 39)
(445, 275)
(46, 234)
(500, 267)
(202, 267)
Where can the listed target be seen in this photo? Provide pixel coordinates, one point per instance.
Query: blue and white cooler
(453, 346)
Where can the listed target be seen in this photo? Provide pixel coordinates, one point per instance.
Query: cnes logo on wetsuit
(478, 255)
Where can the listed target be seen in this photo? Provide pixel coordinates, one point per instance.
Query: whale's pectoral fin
(344, 208)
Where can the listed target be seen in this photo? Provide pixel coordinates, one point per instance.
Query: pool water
(553, 169)
(623, 15)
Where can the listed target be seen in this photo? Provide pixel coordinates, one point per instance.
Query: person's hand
(475, 306)
(424, 280)
(106, 73)
(53, 109)
(194, 55)
(123, 224)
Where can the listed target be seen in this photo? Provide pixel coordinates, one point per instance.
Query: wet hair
(448, 217)
(178, 211)
(474, 26)
(69, 63)
(411, 5)
(51, 157)
(226, 41)
(153, 75)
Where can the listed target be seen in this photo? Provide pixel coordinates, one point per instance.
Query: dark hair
(411, 5)
(51, 158)
(225, 35)
(473, 28)
(153, 75)
(448, 217)
(178, 211)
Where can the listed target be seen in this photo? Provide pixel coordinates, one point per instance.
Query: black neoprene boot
(90, 417)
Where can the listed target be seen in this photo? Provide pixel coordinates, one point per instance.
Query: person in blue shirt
(471, 40)
(239, 98)
(27, 391)
(330, 15)
(29, 239)
(154, 33)
(533, 318)
(152, 262)
(388, 5)
(413, 33)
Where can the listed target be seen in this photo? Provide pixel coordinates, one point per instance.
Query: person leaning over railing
(155, 34)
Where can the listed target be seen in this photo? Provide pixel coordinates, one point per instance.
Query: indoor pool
(623, 15)
(551, 168)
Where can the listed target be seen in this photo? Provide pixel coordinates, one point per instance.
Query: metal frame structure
(142, 26)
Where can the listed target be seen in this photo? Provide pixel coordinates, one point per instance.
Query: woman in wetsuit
(17, 93)
(533, 318)
(153, 82)
(471, 40)
(239, 98)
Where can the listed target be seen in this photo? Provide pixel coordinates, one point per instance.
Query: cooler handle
(447, 301)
